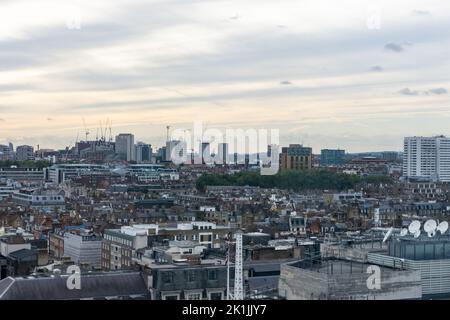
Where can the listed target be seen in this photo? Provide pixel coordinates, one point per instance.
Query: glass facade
(420, 249)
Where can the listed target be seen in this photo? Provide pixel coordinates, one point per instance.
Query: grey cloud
(285, 82)
(409, 92)
(376, 68)
(396, 47)
(438, 91)
(421, 12)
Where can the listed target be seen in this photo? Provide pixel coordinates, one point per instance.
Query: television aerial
(414, 227)
(388, 234)
(430, 227)
(442, 227)
(403, 232)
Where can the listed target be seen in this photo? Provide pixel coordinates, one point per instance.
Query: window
(167, 277)
(216, 296)
(194, 296)
(212, 275)
(191, 276)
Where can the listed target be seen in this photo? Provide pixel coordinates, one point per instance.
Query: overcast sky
(358, 75)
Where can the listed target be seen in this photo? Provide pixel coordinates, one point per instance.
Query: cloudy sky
(359, 75)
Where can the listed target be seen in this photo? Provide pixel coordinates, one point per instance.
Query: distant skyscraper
(161, 154)
(6, 152)
(223, 153)
(170, 147)
(332, 157)
(296, 157)
(24, 153)
(125, 146)
(143, 152)
(205, 152)
(427, 158)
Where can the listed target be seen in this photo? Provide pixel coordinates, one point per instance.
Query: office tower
(24, 153)
(296, 157)
(125, 146)
(332, 157)
(6, 152)
(143, 152)
(223, 153)
(173, 145)
(427, 158)
(205, 152)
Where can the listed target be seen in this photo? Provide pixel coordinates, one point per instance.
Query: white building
(125, 146)
(39, 198)
(83, 249)
(427, 158)
(176, 149)
(60, 173)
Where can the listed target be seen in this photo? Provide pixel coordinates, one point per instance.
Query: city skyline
(359, 77)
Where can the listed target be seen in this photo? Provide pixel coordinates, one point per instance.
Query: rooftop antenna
(238, 279)
(168, 128)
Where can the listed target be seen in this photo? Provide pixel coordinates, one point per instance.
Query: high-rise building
(173, 145)
(223, 153)
(143, 152)
(24, 153)
(125, 146)
(332, 157)
(205, 152)
(296, 157)
(6, 152)
(427, 158)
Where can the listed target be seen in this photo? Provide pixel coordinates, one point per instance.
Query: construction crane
(86, 131)
(68, 148)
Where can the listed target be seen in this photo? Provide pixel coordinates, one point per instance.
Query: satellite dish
(417, 234)
(403, 232)
(414, 226)
(442, 227)
(430, 226)
(431, 234)
(388, 234)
